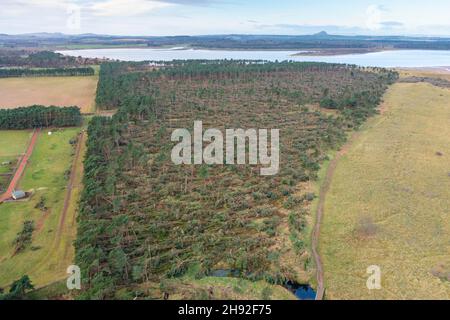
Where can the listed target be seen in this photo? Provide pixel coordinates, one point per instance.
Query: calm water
(400, 58)
(301, 291)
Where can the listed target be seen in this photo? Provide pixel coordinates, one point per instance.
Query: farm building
(17, 195)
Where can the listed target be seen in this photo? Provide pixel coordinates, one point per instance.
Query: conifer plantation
(46, 72)
(39, 116)
(144, 220)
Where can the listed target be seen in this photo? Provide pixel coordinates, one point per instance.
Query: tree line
(41, 59)
(39, 116)
(48, 72)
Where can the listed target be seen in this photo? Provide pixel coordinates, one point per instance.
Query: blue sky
(191, 17)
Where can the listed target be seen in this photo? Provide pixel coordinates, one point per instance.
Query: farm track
(21, 167)
(320, 212)
(70, 185)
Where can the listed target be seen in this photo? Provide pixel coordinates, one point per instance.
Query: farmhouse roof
(18, 194)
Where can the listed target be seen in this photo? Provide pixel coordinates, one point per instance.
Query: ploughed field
(57, 91)
(146, 224)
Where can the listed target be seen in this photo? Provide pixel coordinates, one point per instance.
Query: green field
(47, 258)
(389, 201)
(12, 144)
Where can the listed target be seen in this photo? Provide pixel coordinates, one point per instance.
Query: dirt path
(68, 196)
(319, 215)
(21, 167)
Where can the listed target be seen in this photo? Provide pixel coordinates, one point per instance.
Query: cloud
(163, 17)
(374, 17)
(192, 2)
(137, 7)
(375, 20)
(11, 9)
(40, 3)
(125, 7)
(391, 24)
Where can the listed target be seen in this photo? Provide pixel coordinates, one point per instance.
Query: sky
(202, 17)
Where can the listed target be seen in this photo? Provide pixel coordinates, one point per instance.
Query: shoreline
(435, 70)
(342, 52)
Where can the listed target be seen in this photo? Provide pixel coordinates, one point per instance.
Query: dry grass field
(389, 202)
(442, 73)
(58, 91)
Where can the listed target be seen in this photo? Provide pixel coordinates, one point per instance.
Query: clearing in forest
(57, 91)
(389, 200)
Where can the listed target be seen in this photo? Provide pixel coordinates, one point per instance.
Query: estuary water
(387, 59)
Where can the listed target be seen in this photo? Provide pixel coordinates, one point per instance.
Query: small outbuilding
(18, 194)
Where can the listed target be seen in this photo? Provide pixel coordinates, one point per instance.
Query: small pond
(301, 291)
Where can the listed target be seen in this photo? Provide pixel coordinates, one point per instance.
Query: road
(21, 167)
(319, 216)
(70, 186)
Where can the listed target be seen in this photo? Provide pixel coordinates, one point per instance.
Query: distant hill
(321, 40)
(321, 34)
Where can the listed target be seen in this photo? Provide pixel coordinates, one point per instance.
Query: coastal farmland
(37, 234)
(58, 91)
(389, 201)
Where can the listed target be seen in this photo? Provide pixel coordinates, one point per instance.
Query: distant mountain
(238, 37)
(321, 34)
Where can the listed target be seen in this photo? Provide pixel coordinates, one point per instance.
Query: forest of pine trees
(47, 72)
(39, 116)
(143, 220)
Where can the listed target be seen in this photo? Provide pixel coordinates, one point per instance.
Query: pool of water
(397, 58)
(301, 291)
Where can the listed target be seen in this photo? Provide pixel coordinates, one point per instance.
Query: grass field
(389, 202)
(13, 143)
(10, 153)
(442, 73)
(58, 91)
(48, 257)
